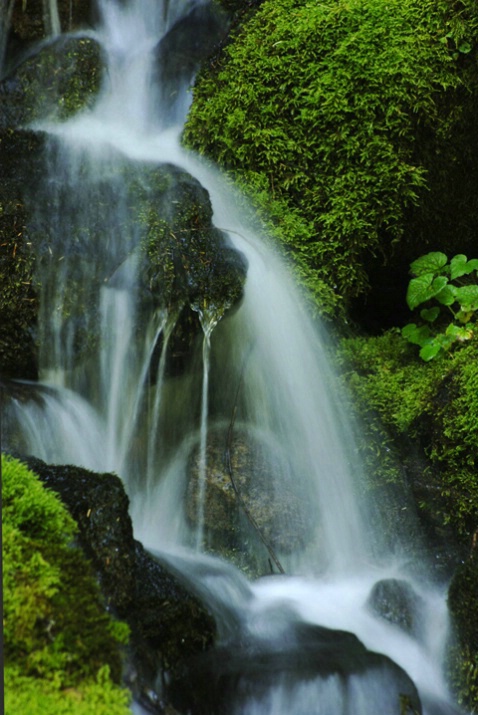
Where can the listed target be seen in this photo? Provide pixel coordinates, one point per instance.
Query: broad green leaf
(428, 352)
(464, 47)
(457, 265)
(418, 288)
(458, 332)
(418, 335)
(430, 263)
(467, 297)
(460, 266)
(447, 295)
(430, 314)
(464, 315)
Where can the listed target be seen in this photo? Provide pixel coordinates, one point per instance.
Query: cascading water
(106, 402)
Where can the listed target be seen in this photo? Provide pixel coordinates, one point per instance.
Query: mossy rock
(59, 79)
(56, 628)
(21, 161)
(429, 413)
(339, 118)
(463, 657)
(29, 23)
(161, 218)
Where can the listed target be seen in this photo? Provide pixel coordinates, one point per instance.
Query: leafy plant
(442, 288)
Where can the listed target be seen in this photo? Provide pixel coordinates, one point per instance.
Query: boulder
(306, 665)
(248, 484)
(58, 79)
(168, 624)
(396, 601)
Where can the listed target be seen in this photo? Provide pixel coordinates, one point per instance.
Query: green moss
(322, 110)
(433, 407)
(57, 634)
(44, 697)
(463, 658)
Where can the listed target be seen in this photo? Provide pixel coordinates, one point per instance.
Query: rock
(20, 159)
(463, 651)
(168, 624)
(58, 80)
(247, 478)
(395, 601)
(233, 677)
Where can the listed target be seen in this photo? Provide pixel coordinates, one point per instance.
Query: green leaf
(447, 295)
(430, 314)
(418, 288)
(464, 48)
(430, 263)
(459, 332)
(467, 297)
(460, 266)
(418, 335)
(428, 352)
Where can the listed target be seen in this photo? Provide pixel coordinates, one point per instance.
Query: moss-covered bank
(421, 426)
(63, 652)
(349, 123)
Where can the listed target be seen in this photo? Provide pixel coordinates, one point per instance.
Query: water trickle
(208, 319)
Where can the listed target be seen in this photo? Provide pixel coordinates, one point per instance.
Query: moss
(57, 635)
(328, 106)
(428, 409)
(463, 658)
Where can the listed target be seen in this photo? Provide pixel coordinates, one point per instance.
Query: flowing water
(265, 371)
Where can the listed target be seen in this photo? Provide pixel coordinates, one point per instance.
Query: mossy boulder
(463, 604)
(31, 21)
(168, 625)
(341, 119)
(56, 629)
(58, 80)
(20, 158)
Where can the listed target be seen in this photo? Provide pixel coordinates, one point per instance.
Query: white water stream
(92, 415)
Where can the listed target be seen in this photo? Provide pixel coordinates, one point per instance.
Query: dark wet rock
(396, 601)
(20, 159)
(29, 21)
(239, 673)
(463, 650)
(60, 78)
(168, 624)
(248, 477)
(189, 42)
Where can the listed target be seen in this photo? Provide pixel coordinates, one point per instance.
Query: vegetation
(62, 650)
(324, 113)
(446, 283)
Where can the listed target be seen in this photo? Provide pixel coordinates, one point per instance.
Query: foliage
(317, 107)
(452, 286)
(434, 404)
(45, 697)
(55, 627)
(463, 659)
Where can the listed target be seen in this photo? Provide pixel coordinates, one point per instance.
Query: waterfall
(108, 399)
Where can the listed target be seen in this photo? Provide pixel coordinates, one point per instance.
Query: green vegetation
(62, 650)
(451, 285)
(434, 404)
(331, 115)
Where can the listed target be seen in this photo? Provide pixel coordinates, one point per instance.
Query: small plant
(442, 288)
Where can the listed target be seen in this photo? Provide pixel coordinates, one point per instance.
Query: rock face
(395, 601)
(308, 664)
(248, 479)
(168, 624)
